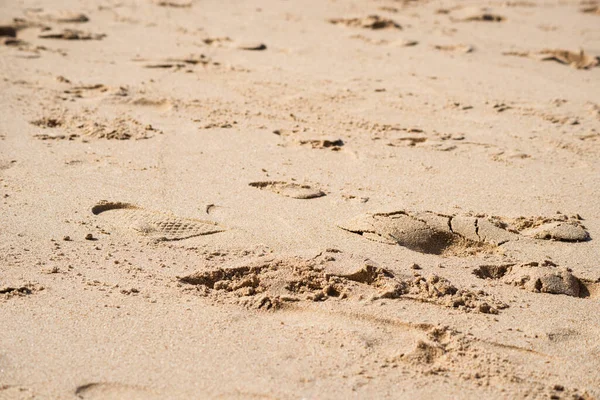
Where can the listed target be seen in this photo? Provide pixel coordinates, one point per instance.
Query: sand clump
(560, 227)
(374, 22)
(544, 277)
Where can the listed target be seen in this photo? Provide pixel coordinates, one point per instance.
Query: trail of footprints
(266, 283)
(273, 282)
(270, 283)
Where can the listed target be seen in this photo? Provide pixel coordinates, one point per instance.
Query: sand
(310, 199)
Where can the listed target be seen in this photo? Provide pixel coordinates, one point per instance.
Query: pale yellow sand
(299, 199)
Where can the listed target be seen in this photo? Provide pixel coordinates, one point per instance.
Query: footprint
(72, 34)
(415, 137)
(61, 16)
(457, 48)
(49, 122)
(273, 282)
(174, 3)
(6, 164)
(10, 291)
(9, 392)
(178, 62)
(396, 43)
(240, 395)
(408, 141)
(8, 37)
(252, 46)
(433, 233)
(428, 232)
(475, 14)
(95, 90)
(160, 105)
(291, 137)
(217, 41)
(331, 144)
(545, 277)
(116, 391)
(578, 60)
(156, 224)
(293, 190)
(370, 22)
(8, 31)
(595, 10)
(442, 144)
(120, 128)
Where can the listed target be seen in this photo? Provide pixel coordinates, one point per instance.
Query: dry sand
(299, 199)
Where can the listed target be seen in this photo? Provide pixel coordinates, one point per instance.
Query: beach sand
(299, 199)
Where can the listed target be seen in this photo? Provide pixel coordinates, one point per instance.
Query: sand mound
(272, 282)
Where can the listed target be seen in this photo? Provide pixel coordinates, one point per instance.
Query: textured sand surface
(299, 199)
